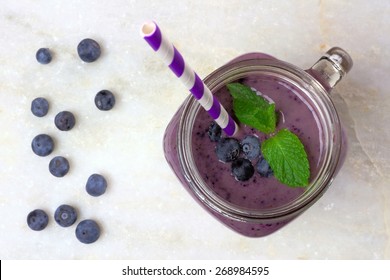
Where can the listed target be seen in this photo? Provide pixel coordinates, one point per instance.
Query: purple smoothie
(259, 206)
(258, 192)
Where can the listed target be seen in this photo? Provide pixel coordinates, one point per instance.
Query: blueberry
(263, 168)
(39, 107)
(59, 166)
(65, 215)
(104, 100)
(228, 149)
(214, 132)
(88, 50)
(96, 185)
(43, 56)
(87, 231)
(251, 147)
(37, 219)
(242, 169)
(42, 145)
(64, 121)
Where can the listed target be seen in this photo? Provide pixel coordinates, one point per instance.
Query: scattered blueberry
(214, 132)
(65, 215)
(37, 219)
(88, 50)
(87, 231)
(42, 145)
(59, 166)
(104, 100)
(227, 149)
(96, 185)
(39, 107)
(64, 121)
(251, 147)
(263, 168)
(242, 169)
(43, 56)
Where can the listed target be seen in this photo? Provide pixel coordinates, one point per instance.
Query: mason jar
(261, 205)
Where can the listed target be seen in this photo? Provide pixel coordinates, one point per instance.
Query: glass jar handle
(331, 67)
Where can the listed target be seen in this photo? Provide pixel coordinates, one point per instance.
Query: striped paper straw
(171, 57)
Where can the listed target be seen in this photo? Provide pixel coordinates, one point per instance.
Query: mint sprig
(287, 157)
(283, 151)
(252, 109)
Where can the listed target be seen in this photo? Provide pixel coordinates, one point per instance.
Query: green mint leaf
(287, 157)
(252, 109)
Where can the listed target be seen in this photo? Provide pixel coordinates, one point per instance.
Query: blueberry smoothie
(262, 190)
(254, 202)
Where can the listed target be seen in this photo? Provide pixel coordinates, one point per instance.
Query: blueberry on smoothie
(263, 168)
(88, 50)
(43, 56)
(251, 147)
(65, 120)
(104, 100)
(242, 169)
(87, 231)
(39, 107)
(59, 166)
(65, 215)
(228, 149)
(37, 219)
(214, 132)
(96, 185)
(42, 145)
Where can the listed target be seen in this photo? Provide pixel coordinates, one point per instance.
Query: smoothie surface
(294, 113)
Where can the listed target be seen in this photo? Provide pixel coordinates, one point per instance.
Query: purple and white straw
(171, 57)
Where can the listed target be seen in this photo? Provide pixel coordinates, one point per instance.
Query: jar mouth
(331, 131)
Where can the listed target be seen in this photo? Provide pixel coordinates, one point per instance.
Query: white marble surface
(146, 214)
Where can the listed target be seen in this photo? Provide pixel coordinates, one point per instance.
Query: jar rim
(229, 73)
